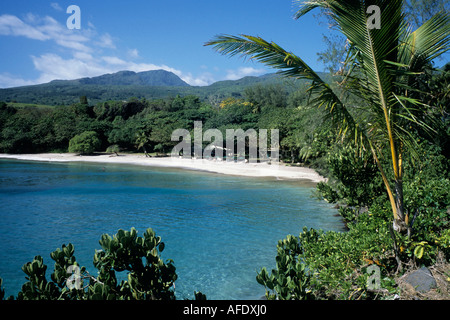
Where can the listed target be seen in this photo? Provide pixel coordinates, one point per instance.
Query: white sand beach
(279, 171)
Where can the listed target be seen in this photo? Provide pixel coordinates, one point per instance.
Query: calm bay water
(220, 230)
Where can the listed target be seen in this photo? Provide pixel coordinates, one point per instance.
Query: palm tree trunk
(145, 151)
(401, 223)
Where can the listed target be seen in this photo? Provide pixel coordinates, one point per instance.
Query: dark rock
(422, 280)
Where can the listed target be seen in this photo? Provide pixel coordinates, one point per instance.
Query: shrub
(332, 265)
(354, 178)
(290, 280)
(432, 198)
(149, 277)
(113, 149)
(84, 143)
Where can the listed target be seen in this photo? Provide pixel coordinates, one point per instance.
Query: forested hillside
(28, 128)
(125, 85)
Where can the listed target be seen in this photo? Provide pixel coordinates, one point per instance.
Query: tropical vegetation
(380, 111)
(377, 128)
(148, 277)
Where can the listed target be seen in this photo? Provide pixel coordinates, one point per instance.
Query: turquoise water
(220, 230)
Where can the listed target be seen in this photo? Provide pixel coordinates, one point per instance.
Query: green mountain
(124, 85)
(130, 78)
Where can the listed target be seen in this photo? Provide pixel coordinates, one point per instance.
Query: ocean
(220, 230)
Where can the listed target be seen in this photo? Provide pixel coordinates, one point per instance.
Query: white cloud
(106, 41)
(8, 81)
(43, 29)
(53, 66)
(114, 61)
(243, 72)
(85, 53)
(83, 56)
(56, 6)
(13, 26)
(64, 37)
(203, 79)
(133, 53)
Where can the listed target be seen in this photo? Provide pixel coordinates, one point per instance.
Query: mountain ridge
(123, 85)
(125, 77)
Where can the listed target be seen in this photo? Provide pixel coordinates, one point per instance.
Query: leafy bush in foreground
(330, 265)
(149, 277)
(336, 265)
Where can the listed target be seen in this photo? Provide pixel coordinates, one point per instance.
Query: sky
(139, 35)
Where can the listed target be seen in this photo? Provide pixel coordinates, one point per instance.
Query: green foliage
(431, 198)
(315, 265)
(380, 71)
(327, 192)
(305, 138)
(113, 149)
(354, 177)
(427, 200)
(148, 276)
(83, 100)
(69, 92)
(337, 262)
(331, 265)
(84, 143)
(443, 242)
(428, 204)
(273, 106)
(37, 287)
(122, 132)
(290, 281)
(264, 97)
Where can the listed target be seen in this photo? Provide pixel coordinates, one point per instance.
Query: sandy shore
(230, 168)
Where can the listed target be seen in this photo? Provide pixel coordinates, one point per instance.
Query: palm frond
(268, 53)
(426, 43)
(307, 6)
(380, 70)
(289, 65)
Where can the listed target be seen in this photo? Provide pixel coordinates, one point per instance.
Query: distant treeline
(148, 124)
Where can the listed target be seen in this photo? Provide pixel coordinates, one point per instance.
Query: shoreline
(279, 171)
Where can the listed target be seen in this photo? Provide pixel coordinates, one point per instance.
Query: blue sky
(37, 47)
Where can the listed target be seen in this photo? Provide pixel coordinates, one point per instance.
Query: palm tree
(141, 140)
(379, 70)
